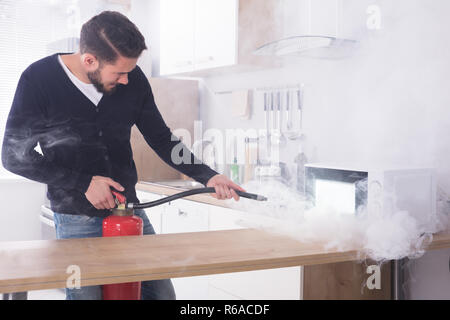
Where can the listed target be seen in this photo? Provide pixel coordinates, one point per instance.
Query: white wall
(21, 202)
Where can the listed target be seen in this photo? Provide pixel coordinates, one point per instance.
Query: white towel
(239, 104)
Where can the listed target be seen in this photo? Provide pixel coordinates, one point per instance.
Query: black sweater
(79, 140)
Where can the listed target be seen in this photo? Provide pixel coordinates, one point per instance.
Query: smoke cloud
(386, 105)
(377, 237)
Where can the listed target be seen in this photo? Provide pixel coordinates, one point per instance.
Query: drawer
(185, 216)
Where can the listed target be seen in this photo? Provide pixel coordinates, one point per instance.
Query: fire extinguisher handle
(119, 197)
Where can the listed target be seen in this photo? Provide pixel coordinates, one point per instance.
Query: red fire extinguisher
(122, 222)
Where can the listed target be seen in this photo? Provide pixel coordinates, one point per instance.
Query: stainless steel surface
(397, 279)
(182, 184)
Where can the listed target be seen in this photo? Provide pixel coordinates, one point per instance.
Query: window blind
(33, 29)
(25, 29)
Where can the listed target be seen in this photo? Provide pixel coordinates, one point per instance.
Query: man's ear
(89, 62)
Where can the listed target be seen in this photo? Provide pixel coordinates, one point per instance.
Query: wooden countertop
(168, 191)
(34, 265)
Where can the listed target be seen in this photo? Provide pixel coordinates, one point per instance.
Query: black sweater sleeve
(25, 127)
(168, 147)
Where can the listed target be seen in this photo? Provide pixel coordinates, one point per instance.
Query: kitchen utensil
(288, 109)
(251, 158)
(266, 113)
(272, 108)
(300, 111)
(297, 133)
(281, 137)
(264, 137)
(276, 136)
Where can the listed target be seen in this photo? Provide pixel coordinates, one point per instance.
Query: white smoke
(385, 106)
(378, 237)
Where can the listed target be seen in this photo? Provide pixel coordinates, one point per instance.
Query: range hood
(313, 46)
(311, 28)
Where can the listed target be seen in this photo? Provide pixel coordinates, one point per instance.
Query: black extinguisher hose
(190, 193)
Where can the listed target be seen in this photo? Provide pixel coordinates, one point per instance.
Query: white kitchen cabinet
(224, 219)
(215, 33)
(154, 214)
(218, 294)
(176, 36)
(185, 216)
(221, 218)
(202, 37)
(270, 284)
(191, 288)
(197, 34)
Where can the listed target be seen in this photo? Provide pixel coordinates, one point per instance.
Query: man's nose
(123, 79)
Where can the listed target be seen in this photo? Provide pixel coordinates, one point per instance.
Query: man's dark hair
(110, 34)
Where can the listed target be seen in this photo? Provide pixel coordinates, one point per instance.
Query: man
(80, 108)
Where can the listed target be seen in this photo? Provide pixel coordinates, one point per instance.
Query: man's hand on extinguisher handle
(99, 192)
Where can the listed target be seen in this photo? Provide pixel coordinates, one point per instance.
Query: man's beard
(95, 79)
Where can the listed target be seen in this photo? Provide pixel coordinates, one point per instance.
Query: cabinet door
(218, 294)
(215, 33)
(191, 288)
(176, 36)
(154, 214)
(271, 284)
(281, 283)
(224, 219)
(185, 216)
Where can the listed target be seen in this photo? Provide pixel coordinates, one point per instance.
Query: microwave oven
(378, 192)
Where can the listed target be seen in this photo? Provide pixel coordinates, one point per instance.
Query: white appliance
(48, 231)
(382, 192)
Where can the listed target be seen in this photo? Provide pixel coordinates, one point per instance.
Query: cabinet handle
(204, 60)
(182, 213)
(183, 63)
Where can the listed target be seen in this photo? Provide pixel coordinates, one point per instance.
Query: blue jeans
(80, 226)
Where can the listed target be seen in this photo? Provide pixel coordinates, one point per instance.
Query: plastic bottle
(300, 161)
(234, 168)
